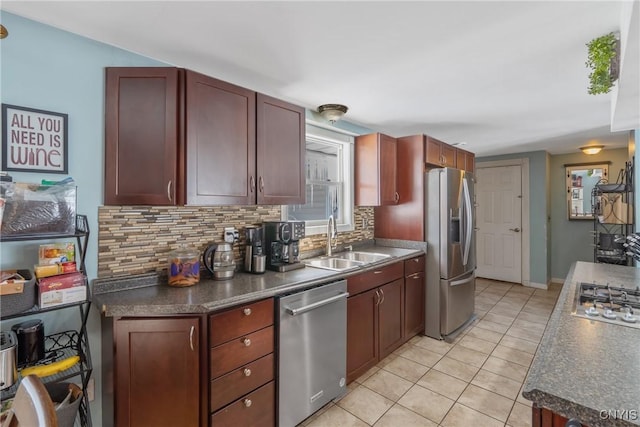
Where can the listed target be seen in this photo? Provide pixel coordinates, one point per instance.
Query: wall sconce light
(3, 31)
(592, 149)
(332, 112)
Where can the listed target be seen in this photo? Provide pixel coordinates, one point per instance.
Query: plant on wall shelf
(603, 60)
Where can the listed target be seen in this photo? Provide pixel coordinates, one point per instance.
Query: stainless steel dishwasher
(312, 343)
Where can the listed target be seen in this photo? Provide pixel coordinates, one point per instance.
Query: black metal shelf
(609, 236)
(68, 343)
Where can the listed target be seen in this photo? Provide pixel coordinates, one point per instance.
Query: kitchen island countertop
(146, 295)
(587, 369)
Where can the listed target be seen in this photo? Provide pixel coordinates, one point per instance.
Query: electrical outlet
(231, 235)
(365, 222)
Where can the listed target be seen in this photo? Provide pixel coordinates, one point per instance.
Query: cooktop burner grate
(608, 303)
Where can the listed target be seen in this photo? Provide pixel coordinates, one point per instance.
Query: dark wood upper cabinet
(281, 152)
(375, 170)
(406, 219)
(439, 153)
(141, 129)
(202, 141)
(466, 160)
(220, 141)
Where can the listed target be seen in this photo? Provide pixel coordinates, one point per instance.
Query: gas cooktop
(608, 303)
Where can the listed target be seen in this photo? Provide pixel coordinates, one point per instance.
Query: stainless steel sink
(364, 257)
(346, 260)
(333, 263)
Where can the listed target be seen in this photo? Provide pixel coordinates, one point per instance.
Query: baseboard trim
(542, 286)
(557, 280)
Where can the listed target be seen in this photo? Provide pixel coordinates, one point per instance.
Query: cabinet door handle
(382, 293)
(247, 312)
(396, 197)
(416, 260)
(247, 372)
(246, 342)
(260, 184)
(247, 402)
(193, 329)
(169, 190)
(252, 184)
(377, 296)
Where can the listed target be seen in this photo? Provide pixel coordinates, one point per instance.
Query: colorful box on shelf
(52, 253)
(62, 289)
(49, 270)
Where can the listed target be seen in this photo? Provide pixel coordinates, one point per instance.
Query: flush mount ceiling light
(332, 112)
(592, 149)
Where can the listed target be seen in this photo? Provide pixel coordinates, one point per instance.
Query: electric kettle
(218, 259)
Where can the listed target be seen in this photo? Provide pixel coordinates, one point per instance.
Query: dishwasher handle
(317, 304)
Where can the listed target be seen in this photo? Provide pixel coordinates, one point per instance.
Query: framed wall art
(34, 140)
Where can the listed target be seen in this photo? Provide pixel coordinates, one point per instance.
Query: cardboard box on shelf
(62, 289)
(52, 253)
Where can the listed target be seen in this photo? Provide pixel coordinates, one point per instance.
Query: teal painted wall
(538, 207)
(573, 240)
(49, 69)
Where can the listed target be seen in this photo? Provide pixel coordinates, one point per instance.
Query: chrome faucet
(332, 234)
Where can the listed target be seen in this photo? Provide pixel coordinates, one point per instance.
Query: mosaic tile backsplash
(138, 239)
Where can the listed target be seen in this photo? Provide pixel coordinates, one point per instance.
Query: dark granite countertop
(147, 295)
(588, 369)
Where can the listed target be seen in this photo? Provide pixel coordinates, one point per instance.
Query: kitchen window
(329, 181)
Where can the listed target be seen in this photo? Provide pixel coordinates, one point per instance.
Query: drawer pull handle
(377, 272)
(247, 372)
(247, 402)
(247, 311)
(247, 342)
(416, 260)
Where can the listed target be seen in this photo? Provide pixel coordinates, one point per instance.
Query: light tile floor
(474, 381)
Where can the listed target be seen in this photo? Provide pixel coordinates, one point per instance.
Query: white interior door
(499, 222)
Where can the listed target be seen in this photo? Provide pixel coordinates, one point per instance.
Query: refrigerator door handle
(468, 222)
(463, 281)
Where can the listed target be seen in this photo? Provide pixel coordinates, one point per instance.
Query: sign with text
(33, 140)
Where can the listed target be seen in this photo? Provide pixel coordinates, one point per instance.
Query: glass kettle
(218, 259)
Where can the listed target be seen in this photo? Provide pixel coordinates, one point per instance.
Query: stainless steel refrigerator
(451, 255)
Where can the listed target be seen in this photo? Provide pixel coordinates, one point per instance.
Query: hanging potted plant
(603, 59)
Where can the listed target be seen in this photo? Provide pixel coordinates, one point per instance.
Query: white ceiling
(502, 76)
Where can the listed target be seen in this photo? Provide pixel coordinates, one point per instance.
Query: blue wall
(538, 215)
(573, 240)
(49, 69)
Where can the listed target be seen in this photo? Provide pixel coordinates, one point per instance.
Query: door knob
(517, 230)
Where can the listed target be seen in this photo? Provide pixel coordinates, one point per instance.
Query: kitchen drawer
(413, 265)
(255, 409)
(374, 278)
(236, 353)
(239, 321)
(235, 384)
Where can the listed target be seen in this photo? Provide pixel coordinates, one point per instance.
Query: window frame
(321, 133)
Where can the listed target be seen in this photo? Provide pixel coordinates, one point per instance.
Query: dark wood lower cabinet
(542, 417)
(157, 372)
(255, 409)
(414, 304)
(362, 333)
(391, 317)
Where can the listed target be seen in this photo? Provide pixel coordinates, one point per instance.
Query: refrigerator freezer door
(457, 302)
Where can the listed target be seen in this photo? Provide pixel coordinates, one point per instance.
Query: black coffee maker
(282, 246)
(254, 257)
